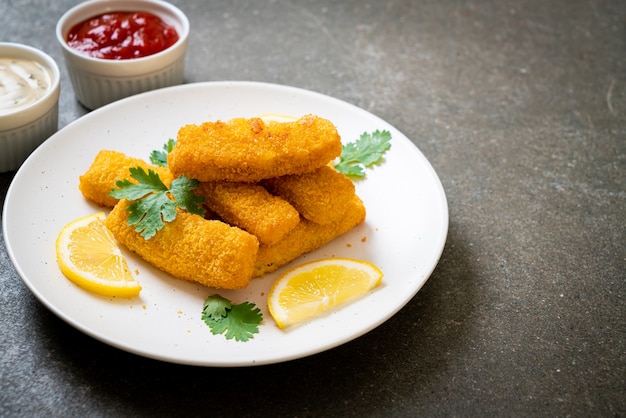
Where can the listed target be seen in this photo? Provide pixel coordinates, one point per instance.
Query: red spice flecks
(122, 35)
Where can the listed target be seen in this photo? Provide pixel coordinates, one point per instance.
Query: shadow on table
(401, 358)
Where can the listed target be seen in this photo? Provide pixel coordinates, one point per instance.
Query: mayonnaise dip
(22, 82)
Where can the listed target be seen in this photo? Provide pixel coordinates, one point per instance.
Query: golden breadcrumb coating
(321, 196)
(109, 167)
(249, 150)
(306, 237)
(191, 248)
(250, 207)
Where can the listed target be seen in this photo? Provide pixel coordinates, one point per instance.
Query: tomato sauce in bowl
(122, 35)
(117, 48)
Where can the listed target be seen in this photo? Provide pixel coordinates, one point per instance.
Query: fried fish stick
(191, 248)
(321, 196)
(306, 237)
(250, 207)
(109, 167)
(249, 150)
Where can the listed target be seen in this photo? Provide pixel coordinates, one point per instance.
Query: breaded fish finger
(306, 237)
(250, 207)
(321, 196)
(191, 248)
(249, 150)
(109, 167)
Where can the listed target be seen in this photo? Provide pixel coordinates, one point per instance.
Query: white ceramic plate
(404, 233)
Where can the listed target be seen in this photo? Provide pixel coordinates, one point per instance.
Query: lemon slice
(88, 255)
(277, 117)
(312, 288)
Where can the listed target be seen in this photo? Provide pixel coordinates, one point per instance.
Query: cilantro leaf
(159, 158)
(216, 307)
(149, 182)
(152, 202)
(364, 152)
(181, 188)
(240, 321)
(148, 214)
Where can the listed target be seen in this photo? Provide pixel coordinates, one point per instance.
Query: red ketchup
(122, 35)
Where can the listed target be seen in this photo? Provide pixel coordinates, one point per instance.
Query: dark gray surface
(521, 108)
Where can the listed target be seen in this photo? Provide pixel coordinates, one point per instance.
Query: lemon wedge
(277, 117)
(309, 289)
(89, 256)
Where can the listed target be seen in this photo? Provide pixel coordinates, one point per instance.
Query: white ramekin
(98, 81)
(23, 130)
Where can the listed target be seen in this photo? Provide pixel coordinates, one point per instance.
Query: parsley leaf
(216, 307)
(239, 321)
(159, 158)
(365, 152)
(181, 188)
(152, 200)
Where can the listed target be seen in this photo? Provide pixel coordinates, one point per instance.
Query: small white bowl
(24, 127)
(98, 82)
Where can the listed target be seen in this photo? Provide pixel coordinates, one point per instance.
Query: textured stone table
(521, 108)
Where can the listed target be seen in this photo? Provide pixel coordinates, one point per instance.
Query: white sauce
(22, 82)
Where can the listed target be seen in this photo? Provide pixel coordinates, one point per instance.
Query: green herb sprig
(239, 322)
(153, 203)
(158, 157)
(364, 152)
